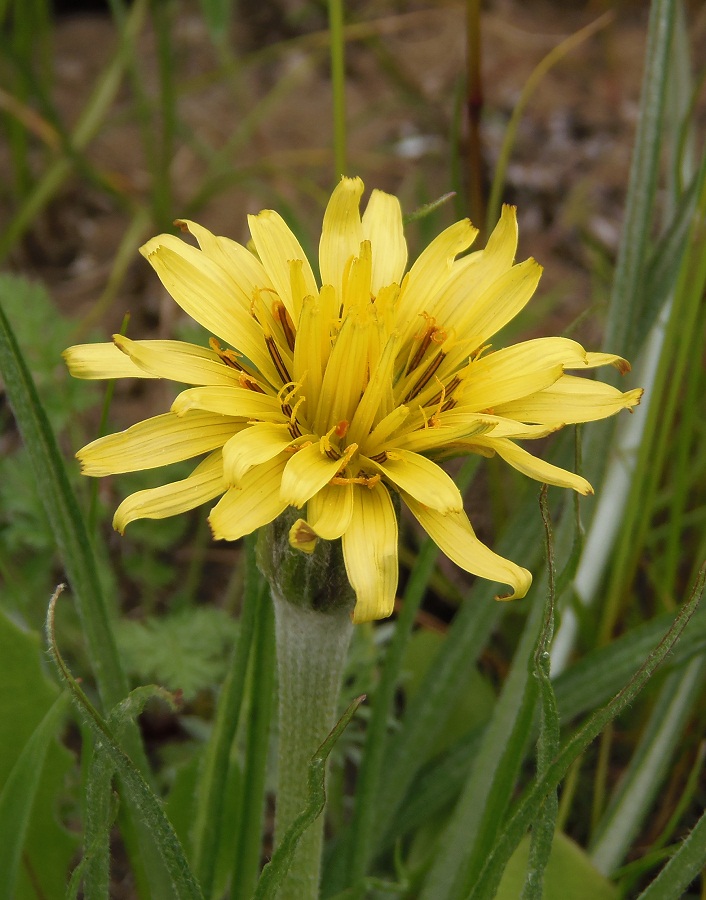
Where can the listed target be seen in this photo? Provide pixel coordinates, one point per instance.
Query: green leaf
(544, 825)
(627, 301)
(64, 515)
(209, 814)
(470, 708)
(33, 767)
(569, 874)
(682, 868)
(643, 779)
(185, 650)
(483, 802)
(138, 792)
(526, 810)
(275, 871)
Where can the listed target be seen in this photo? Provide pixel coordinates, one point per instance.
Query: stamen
(426, 376)
(277, 359)
(229, 357)
(380, 457)
(450, 388)
(425, 337)
(434, 420)
(279, 311)
(246, 382)
(368, 481)
(294, 429)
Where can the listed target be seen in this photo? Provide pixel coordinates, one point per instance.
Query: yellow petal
(309, 360)
(204, 483)
(608, 359)
(455, 537)
(569, 400)
(256, 444)
(276, 245)
(517, 371)
(382, 226)
(101, 361)
(536, 468)
(301, 537)
(482, 268)
(255, 503)
(430, 273)
(370, 553)
(206, 292)
(422, 478)
(341, 232)
(186, 363)
(229, 401)
(385, 429)
(306, 473)
(329, 511)
(242, 266)
(345, 375)
(380, 383)
(422, 440)
(494, 425)
(474, 323)
(157, 442)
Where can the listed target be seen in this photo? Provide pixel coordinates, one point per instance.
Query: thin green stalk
(480, 809)
(681, 343)
(214, 773)
(246, 865)
(487, 882)
(338, 87)
(544, 825)
(550, 60)
(142, 798)
(625, 296)
(162, 182)
(311, 655)
(474, 109)
(90, 121)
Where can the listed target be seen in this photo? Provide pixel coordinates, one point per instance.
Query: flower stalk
(313, 602)
(311, 655)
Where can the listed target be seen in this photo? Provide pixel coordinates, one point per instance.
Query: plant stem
(311, 654)
(338, 86)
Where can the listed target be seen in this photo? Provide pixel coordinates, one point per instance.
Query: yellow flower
(331, 398)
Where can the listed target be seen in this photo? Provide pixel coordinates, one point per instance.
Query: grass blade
(643, 779)
(246, 866)
(489, 878)
(18, 795)
(140, 794)
(548, 741)
(682, 868)
(627, 299)
(214, 774)
(65, 518)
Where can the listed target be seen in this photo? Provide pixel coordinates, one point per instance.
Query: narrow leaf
(136, 788)
(489, 878)
(682, 868)
(18, 795)
(275, 871)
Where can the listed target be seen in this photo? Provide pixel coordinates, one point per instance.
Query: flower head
(331, 397)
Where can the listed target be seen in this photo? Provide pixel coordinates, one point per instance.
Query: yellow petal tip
(302, 536)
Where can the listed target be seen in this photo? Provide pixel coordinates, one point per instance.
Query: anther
(279, 311)
(426, 376)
